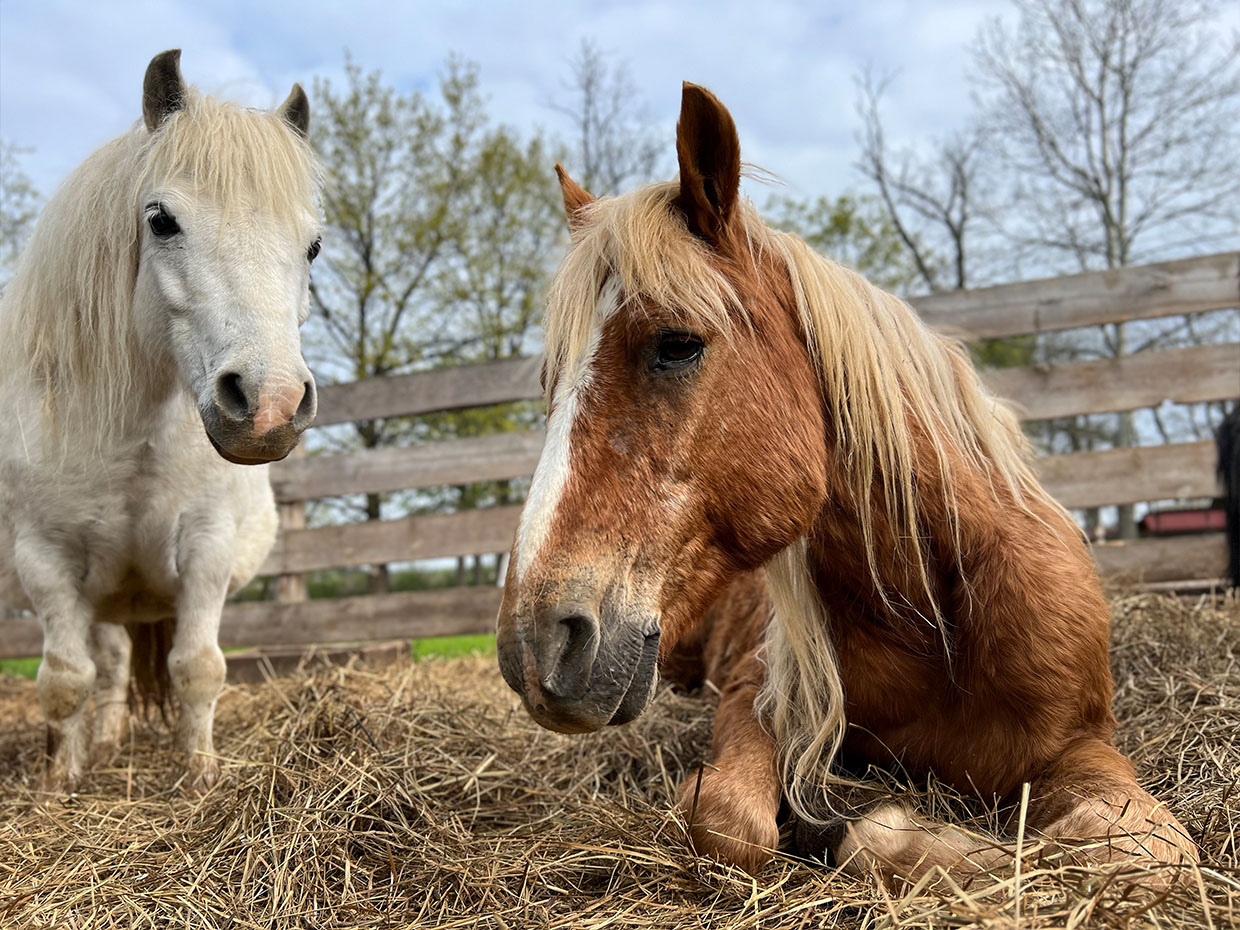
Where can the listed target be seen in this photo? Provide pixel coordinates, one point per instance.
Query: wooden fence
(1089, 479)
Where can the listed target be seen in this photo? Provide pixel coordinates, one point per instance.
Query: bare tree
(1117, 122)
(930, 199)
(615, 143)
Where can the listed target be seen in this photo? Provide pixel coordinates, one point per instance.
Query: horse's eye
(313, 252)
(675, 351)
(163, 224)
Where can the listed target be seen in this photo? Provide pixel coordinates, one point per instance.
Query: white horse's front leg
(51, 580)
(195, 663)
(111, 648)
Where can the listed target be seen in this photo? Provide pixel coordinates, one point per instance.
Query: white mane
(66, 319)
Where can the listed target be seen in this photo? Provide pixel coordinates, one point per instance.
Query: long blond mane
(885, 378)
(66, 320)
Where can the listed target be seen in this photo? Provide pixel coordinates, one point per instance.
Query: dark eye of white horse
(675, 351)
(163, 224)
(313, 252)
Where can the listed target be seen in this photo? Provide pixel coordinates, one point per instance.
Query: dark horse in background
(1228, 439)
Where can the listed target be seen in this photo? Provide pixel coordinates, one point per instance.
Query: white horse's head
(228, 227)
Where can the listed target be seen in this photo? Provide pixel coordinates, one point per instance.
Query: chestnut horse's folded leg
(732, 803)
(1087, 806)
(1091, 797)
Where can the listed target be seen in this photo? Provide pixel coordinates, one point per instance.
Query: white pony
(149, 353)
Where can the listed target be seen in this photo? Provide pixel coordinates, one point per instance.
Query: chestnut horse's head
(685, 438)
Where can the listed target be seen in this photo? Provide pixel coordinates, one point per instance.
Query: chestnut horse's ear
(709, 153)
(163, 88)
(575, 196)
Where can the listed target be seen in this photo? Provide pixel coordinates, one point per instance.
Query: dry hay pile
(422, 796)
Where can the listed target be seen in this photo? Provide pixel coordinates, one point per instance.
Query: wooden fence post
(291, 589)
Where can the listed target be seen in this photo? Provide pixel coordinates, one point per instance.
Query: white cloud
(71, 72)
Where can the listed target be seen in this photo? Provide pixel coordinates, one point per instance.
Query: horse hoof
(201, 773)
(102, 755)
(56, 784)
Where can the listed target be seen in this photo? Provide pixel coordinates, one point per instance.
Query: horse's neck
(76, 426)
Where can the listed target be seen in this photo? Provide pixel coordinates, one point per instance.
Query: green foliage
(1009, 352)
(440, 227)
(441, 230)
(19, 208)
(853, 230)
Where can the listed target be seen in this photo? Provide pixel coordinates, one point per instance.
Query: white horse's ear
(296, 110)
(163, 88)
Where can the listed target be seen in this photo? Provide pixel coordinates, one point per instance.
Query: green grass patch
(450, 647)
(28, 668)
(433, 647)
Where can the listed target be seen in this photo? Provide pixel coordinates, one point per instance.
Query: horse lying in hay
(149, 348)
(721, 399)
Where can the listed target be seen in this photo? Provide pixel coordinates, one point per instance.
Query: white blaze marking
(555, 463)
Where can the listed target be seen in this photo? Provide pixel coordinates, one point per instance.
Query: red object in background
(1177, 522)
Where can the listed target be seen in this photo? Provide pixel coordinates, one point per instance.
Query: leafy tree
(853, 230)
(19, 207)
(439, 227)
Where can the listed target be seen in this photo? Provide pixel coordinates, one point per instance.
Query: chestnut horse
(721, 398)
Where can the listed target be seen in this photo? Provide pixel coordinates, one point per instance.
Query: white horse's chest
(124, 517)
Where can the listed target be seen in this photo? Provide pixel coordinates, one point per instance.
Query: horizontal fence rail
(453, 611)
(1191, 285)
(1087, 479)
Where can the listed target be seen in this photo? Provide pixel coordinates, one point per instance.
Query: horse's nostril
(230, 396)
(307, 407)
(568, 652)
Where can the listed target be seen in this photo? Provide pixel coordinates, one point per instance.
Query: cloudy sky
(71, 72)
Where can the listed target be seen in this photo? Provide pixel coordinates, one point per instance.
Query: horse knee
(64, 683)
(197, 675)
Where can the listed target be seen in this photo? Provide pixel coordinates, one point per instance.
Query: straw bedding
(421, 796)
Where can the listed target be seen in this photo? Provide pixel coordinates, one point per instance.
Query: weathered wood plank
(456, 611)
(454, 388)
(256, 665)
(404, 615)
(1170, 558)
(21, 637)
(1189, 375)
(1184, 376)
(469, 532)
(452, 461)
(1209, 282)
(1130, 476)
(1087, 479)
